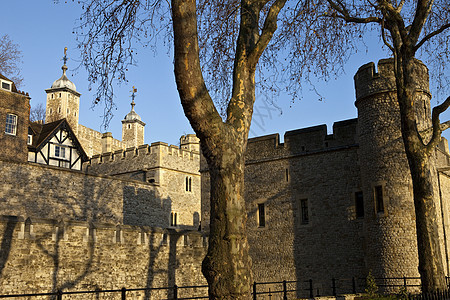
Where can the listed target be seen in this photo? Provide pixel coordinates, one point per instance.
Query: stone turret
(63, 100)
(132, 127)
(190, 142)
(389, 219)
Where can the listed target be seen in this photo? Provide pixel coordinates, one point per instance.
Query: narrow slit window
(287, 175)
(173, 219)
(359, 204)
(304, 211)
(187, 184)
(261, 215)
(190, 184)
(379, 201)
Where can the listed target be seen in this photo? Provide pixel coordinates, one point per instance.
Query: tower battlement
(371, 79)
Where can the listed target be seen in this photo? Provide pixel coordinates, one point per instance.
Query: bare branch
(437, 110)
(422, 11)
(383, 35)
(345, 15)
(430, 35)
(270, 25)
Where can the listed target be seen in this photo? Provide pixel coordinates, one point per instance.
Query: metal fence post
(175, 292)
(254, 290)
(124, 293)
(284, 290)
(59, 295)
(311, 294)
(333, 286)
(354, 285)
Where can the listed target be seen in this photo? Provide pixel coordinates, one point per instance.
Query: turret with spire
(63, 100)
(132, 126)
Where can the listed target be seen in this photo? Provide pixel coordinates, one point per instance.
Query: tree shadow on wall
(11, 223)
(142, 207)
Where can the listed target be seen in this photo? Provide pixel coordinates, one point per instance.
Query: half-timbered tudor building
(55, 144)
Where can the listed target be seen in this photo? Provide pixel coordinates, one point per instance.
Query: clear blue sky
(43, 28)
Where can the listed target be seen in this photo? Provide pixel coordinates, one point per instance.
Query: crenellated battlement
(101, 233)
(371, 79)
(146, 157)
(303, 141)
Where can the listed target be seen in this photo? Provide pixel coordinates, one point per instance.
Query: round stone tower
(389, 220)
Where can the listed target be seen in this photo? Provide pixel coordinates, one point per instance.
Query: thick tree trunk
(431, 268)
(420, 162)
(227, 265)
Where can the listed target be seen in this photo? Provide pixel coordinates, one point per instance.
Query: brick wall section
(42, 255)
(14, 147)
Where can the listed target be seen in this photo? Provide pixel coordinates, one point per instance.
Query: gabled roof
(43, 133)
(13, 89)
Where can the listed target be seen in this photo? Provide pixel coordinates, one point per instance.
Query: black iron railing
(281, 289)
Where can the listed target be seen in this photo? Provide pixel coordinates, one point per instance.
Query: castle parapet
(303, 141)
(101, 233)
(145, 157)
(369, 82)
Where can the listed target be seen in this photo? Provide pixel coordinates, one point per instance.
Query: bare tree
(327, 34)
(37, 113)
(10, 59)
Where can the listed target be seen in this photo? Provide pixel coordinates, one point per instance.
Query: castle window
(51, 110)
(379, 201)
(11, 124)
(359, 204)
(173, 219)
(59, 95)
(59, 109)
(261, 215)
(129, 126)
(304, 211)
(30, 139)
(188, 184)
(287, 174)
(52, 96)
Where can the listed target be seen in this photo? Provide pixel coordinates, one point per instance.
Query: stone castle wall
(280, 175)
(167, 167)
(38, 190)
(43, 255)
(91, 141)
